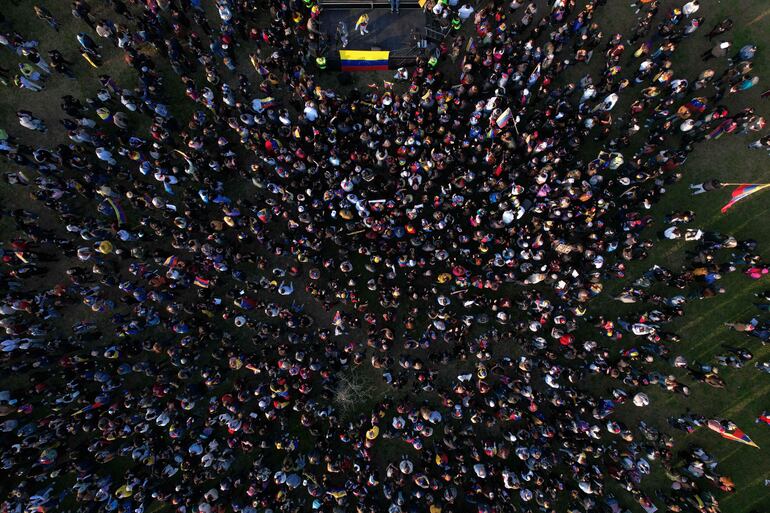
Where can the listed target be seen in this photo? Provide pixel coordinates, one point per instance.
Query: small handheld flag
(268, 103)
(202, 282)
(504, 118)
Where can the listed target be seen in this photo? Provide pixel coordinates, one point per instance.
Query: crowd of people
(297, 298)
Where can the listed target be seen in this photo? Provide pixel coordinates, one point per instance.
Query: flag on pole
(88, 408)
(120, 215)
(171, 261)
(743, 191)
(183, 154)
(534, 77)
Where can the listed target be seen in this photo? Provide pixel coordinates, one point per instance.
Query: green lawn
(748, 391)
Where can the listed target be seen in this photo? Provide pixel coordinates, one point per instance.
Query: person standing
(719, 29)
(394, 5)
(35, 58)
(60, 64)
(25, 83)
(691, 8)
(763, 143)
(746, 53)
(343, 37)
(362, 23)
(45, 15)
(28, 120)
(313, 31)
(81, 10)
(719, 50)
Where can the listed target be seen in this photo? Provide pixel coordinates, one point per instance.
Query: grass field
(748, 391)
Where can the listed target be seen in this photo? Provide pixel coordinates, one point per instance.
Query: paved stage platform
(387, 31)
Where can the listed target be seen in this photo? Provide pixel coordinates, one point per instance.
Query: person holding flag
(700, 188)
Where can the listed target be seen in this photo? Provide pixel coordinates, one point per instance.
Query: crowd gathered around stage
(230, 286)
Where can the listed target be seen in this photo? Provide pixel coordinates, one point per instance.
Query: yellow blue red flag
(743, 191)
(364, 60)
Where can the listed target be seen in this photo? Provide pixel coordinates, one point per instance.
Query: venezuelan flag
(736, 435)
(739, 436)
(743, 191)
(364, 60)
